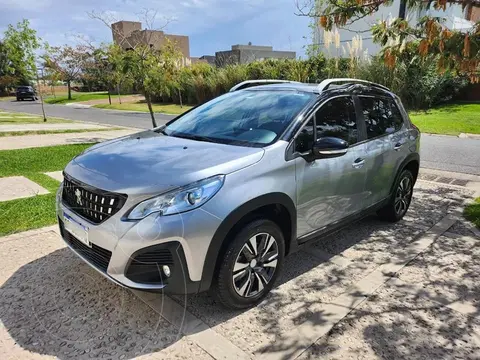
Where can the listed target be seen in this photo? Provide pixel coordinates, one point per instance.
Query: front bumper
(132, 254)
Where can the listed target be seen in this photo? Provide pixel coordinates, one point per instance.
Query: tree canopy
(17, 54)
(455, 49)
(68, 62)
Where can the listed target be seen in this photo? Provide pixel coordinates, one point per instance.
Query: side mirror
(327, 147)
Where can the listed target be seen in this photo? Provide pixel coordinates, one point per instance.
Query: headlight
(180, 200)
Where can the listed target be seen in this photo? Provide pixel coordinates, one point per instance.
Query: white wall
(454, 19)
(356, 30)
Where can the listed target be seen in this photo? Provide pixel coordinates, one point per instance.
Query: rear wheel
(400, 200)
(250, 265)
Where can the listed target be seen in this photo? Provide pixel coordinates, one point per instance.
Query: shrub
(416, 81)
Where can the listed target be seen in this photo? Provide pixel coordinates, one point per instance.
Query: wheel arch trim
(219, 238)
(410, 158)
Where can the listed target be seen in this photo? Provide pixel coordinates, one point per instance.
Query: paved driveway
(438, 152)
(372, 291)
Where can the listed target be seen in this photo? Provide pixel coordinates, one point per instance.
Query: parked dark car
(26, 92)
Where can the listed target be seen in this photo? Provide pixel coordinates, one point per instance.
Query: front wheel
(400, 200)
(250, 265)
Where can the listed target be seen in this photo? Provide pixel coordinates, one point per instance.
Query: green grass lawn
(450, 119)
(472, 212)
(12, 118)
(7, 98)
(30, 213)
(76, 97)
(142, 106)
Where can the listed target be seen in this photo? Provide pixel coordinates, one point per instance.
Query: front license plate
(76, 229)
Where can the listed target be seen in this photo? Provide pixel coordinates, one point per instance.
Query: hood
(150, 163)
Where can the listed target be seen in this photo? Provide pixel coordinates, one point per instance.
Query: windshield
(252, 118)
(24, 88)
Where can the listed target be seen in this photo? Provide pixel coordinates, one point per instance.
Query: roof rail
(250, 83)
(327, 82)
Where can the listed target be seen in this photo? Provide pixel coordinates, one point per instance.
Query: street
(110, 117)
(446, 153)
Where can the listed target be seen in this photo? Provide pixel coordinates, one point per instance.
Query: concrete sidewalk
(47, 126)
(31, 141)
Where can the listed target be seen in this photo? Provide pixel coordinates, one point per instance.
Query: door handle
(358, 163)
(397, 146)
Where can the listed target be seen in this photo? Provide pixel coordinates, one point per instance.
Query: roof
(365, 87)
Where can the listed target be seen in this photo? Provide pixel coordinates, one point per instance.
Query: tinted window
(255, 117)
(304, 140)
(336, 118)
(381, 116)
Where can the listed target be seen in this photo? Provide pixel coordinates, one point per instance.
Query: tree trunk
(53, 92)
(118, 91)
(180, 97)
(109, 98)
(69, 90)
(149, 104)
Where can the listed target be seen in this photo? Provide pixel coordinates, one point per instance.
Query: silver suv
(217, 197)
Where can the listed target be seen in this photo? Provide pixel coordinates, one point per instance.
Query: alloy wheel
(403, 196)
(255, 265)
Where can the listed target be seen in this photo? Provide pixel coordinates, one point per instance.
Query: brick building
(129, 34)
(244, 54)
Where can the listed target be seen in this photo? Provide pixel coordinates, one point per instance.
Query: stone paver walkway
(47, 126)
(29, 141)
(17, 187)
(57, 175)
(46, 320)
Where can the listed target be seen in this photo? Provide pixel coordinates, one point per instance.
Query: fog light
(166, 270)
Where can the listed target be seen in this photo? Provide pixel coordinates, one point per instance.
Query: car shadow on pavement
(59, 306)
(319, 274)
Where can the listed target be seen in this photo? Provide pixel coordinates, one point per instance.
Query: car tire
(250, 265)
(400, 199)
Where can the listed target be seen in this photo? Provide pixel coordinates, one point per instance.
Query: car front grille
(96, 255)
(93, 204)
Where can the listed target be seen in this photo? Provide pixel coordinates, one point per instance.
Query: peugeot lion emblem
(78, 194)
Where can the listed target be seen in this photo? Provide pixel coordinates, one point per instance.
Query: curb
(461, 135)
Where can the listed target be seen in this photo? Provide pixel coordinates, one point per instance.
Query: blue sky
(212, 25)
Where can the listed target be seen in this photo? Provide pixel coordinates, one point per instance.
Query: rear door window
(382, 116)
(336, 118)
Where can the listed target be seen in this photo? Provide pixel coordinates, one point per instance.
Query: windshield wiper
(194, 137)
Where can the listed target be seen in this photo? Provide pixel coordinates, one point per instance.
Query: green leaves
(17, 53)
(457, 50)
